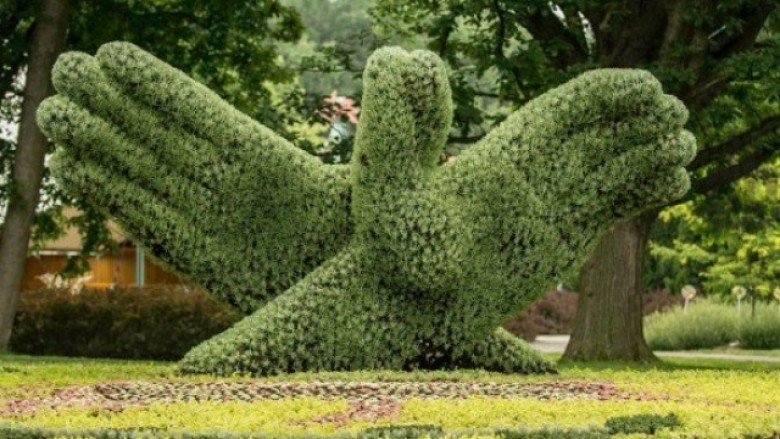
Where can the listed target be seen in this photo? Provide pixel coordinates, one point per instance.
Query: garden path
(556, 344)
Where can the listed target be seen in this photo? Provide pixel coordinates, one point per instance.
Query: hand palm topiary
(394, 262)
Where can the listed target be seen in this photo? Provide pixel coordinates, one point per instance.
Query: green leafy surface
(392, 262)
(713, 399)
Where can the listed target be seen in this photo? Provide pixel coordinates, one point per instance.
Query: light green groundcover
(641, 424)
(712, 399)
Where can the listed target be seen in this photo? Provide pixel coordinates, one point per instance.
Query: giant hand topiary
(392, 261)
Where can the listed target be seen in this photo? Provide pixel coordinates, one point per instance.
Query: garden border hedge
(647, 423)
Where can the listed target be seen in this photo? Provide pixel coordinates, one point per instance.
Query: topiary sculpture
(391, 262)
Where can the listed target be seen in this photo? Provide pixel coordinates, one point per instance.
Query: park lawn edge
(11, 431)
(706, 377)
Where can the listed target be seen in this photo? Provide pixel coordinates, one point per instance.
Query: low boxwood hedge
(647, 424)
(641, 424)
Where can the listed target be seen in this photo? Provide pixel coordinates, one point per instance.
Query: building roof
(70, 241)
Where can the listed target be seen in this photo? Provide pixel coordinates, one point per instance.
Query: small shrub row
(761, 331)
(647, 424)
(707, 324)
(702, 325)
(641, 424)
(555, 312)
(552, 314)
(659, 301)
(156, 324)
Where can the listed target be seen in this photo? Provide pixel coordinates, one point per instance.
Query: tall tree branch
(11, 16)
(709, 85)
(753, 21)
(737, 143)
(498, 50)
(48, 41)
(730, 174)
(707, 88)
(550, 32)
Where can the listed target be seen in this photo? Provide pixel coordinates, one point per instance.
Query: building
(127, 268)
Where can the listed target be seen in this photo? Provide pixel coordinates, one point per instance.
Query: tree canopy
(719, 57)
(230, 48)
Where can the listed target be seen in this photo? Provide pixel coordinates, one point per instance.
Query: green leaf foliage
(11, 431)
(719, 57)
(729, 240)
(703, 325)
(761, 331)
(392, 262)
(154, 324)
(708, 324)
(641, 424)
(238, 39)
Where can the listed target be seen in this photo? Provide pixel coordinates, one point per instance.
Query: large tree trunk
(608, 325)
(48, 41)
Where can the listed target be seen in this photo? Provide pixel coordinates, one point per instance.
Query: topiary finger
(89, 137)
(78, 76)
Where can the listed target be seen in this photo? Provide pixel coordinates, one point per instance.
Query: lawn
(711, 399)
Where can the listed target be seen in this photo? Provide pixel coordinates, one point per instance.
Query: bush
(641, 424)
(704, 325)
(392, 262)
(555, 312)
(402, 432)
(763, 331)
(552, 314)
(158, 323)
(660, 300)
(15, 431)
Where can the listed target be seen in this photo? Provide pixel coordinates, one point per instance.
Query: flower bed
(76, 398)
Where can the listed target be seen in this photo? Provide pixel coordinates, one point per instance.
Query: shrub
(660, 300)
(402, 432)
(552, 314)
(159, 323)
(763, 331)
(704, 325)
(392, 262)
(555, 312)
(641, 424)
(15, 431)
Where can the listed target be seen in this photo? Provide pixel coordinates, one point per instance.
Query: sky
(8, 131)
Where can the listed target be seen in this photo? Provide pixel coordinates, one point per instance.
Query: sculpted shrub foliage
(391, 261)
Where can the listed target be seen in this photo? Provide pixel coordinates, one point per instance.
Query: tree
(394, 261)
(735, 243)
(47, 42)
(719, 57)
(238, 42)
(338, 39)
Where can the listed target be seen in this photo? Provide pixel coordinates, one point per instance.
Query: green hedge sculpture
(392, 261)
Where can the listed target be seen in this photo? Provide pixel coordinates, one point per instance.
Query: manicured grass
(713, 398)
(22, 375)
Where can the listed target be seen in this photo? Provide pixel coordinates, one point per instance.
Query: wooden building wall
(106, 270)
